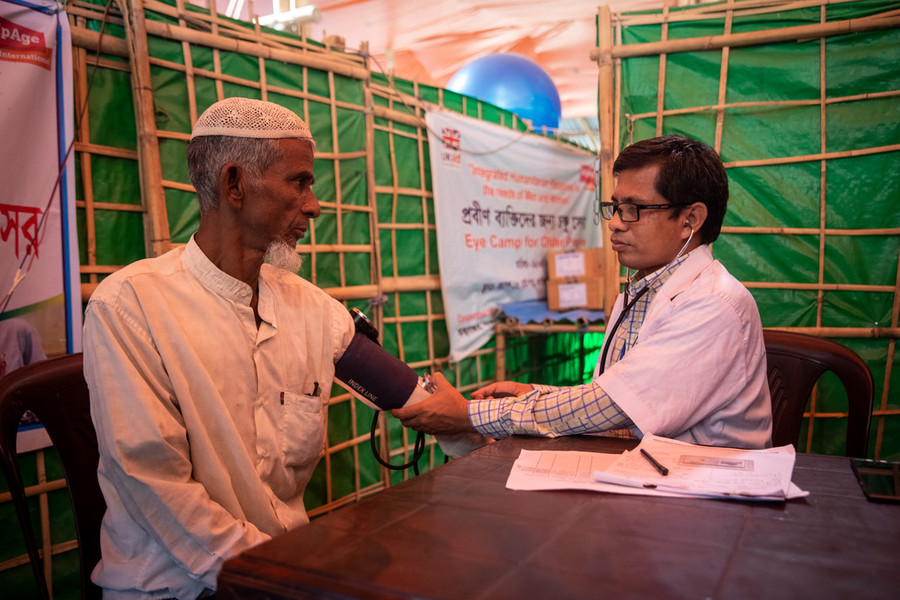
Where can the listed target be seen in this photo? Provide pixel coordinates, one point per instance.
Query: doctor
(683, 355)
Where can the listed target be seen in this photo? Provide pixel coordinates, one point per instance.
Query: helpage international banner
(40, 297)
(503, 199)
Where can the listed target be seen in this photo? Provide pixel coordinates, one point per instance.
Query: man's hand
(445, 413)
(502, 389)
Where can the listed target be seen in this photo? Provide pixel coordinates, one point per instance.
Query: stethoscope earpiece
(608, 338)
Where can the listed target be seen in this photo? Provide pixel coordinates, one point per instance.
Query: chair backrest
(56, 392)
(795, 363)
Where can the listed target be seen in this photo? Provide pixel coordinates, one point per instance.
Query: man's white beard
(282, 255)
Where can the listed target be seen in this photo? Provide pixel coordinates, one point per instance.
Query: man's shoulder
(711, 287)
(715, 289)
(728, 285)
(134, 274)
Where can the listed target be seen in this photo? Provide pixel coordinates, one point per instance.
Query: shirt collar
(214, 278)
(657, 278)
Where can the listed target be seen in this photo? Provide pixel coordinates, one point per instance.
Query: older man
(210, 369)
(683, 355)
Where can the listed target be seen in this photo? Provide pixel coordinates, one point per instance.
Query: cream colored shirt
(209, 427)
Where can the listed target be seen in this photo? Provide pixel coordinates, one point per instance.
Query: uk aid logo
(451, 156)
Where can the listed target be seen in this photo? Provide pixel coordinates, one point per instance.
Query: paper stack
(691, 471)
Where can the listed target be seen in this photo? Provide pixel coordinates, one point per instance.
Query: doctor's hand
(444, 413)
(501, 389)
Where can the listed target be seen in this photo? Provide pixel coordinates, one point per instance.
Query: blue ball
(513, 82)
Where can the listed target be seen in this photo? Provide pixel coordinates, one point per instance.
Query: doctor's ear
(695, 216)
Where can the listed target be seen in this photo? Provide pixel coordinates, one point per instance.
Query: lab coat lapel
(681, 279)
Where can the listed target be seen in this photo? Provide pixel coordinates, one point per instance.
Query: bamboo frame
(754, 38)
(387, 112)
(611, 94)
(156, 221)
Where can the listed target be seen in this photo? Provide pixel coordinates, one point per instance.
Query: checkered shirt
(554, 411)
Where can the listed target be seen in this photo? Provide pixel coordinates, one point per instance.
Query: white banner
(40, 291)
(503, 199)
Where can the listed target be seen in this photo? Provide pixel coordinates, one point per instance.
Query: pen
(662, 470)
(315, 388)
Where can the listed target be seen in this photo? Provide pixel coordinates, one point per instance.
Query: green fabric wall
(336, 109)
(861, 192)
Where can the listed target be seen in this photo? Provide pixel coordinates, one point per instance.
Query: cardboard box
(575, 292)
(578, 263)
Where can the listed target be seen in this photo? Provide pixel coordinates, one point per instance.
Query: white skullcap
(248, 118)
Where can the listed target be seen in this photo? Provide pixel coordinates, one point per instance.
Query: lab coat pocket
(301, 428)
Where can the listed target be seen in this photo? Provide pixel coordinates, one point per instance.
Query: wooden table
(457, 533)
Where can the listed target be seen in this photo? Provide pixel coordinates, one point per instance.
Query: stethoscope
(630, 304)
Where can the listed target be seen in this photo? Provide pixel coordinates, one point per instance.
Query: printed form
(690, 470)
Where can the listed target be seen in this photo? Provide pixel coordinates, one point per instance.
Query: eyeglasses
(628, 212)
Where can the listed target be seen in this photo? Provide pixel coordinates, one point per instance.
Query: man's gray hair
(208, 154)
(242, 131)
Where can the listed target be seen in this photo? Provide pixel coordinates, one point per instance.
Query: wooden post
(608, 148)
(156, 222)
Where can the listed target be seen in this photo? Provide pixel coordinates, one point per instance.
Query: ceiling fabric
(430, 40)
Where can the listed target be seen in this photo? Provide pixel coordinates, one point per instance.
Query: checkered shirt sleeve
(548, 411)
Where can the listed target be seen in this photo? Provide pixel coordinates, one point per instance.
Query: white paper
(573, 294)
(705, 470)
(567, 470)
(558, 470)
(570, 264)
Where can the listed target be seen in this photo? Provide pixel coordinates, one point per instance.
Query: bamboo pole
(97, 205)
(24, 559)
(608, 147)
(753, 38)
(387, 189)
(810, 231)
(833, 287)
(785, 160)
(411, 283)
(188, 69)
(705, 12)
(338, 188)
(424, 159)
(661, 75)
(89, 148)
(823, 147)
(156, 221)
(44, 487)
(219, 41)
(892, 348)
(617, 90)
(845, 332)
(372, 201)
(224, 77)
(46, 541)
(723, 80)
(90, 40)
(80, 82)
(375, 260)
(523, 328)
(721, 105)
(425, 318)
(104, 269)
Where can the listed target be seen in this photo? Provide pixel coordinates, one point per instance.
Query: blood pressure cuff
(374, 375)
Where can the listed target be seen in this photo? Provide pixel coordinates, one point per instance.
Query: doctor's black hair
(689, 171)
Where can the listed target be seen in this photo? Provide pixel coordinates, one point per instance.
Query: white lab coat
(697, 371)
